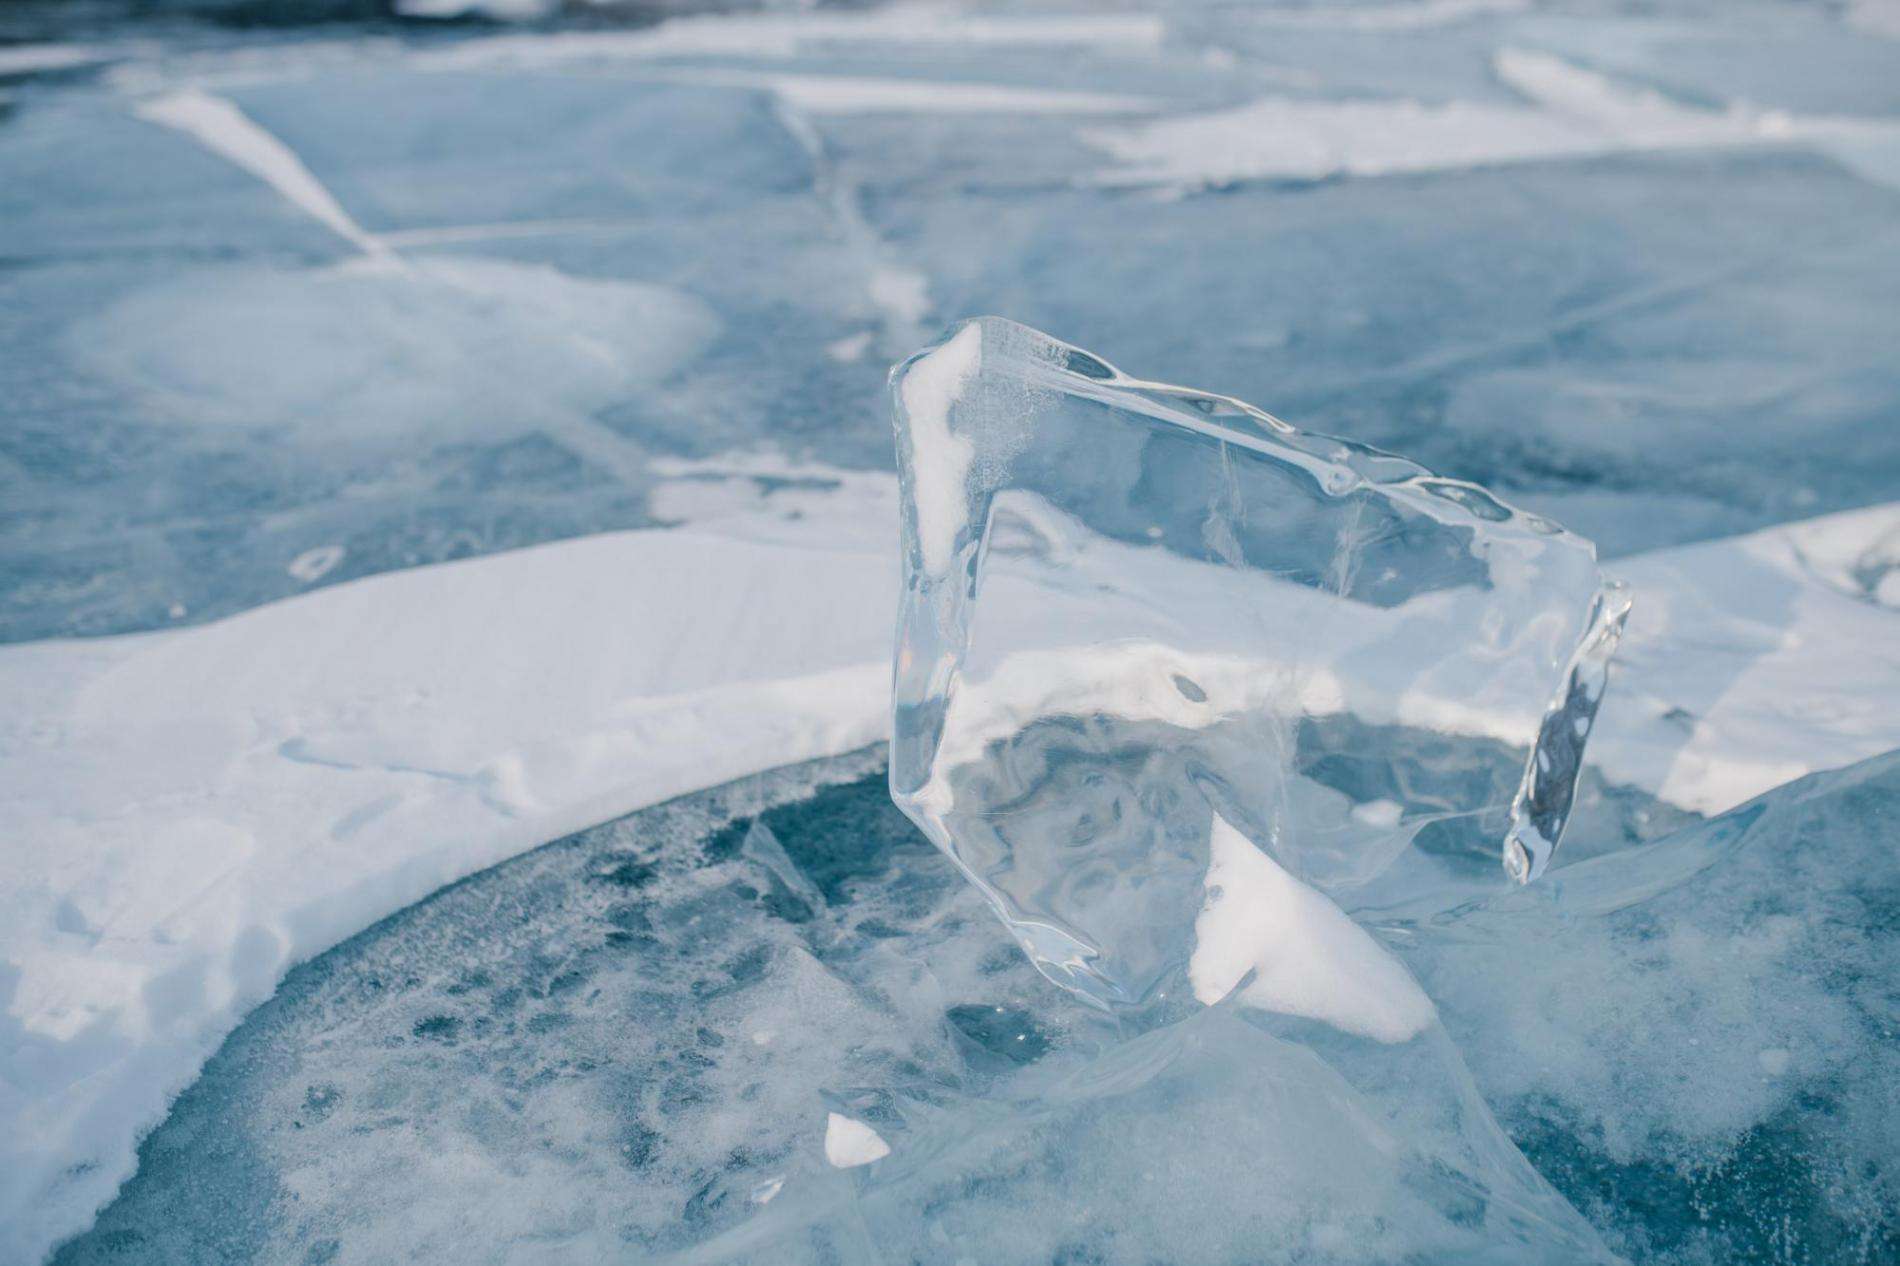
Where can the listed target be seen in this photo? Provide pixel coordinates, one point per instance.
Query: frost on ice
(1142, 627)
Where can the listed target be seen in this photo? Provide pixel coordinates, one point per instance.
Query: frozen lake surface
(1637, 271)
(286, 306)
(613, 1045)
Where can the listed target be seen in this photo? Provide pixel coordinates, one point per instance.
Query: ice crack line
(901, 294)
(221, 127)
(228, 132)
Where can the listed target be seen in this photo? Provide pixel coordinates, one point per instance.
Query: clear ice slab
(1184, 689)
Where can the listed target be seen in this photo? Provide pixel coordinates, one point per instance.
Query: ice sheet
(831, 186)
(1655, 347)
(324, 761)
(831, 1045)
(1758, 1119)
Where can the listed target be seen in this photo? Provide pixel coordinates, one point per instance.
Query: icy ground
(280, 310)
(631, 1041)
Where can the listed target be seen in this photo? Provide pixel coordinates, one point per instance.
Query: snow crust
(191, 812)
(942, 458)
(1289, 949)
(1569, 112)
(777, 37)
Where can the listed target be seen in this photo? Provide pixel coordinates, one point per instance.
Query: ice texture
(1156, 647)
(1758, 1123)
(769, 1023)
(1655, 344)
(631, 1043)
(1746, 663)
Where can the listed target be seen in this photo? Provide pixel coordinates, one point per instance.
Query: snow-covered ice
(641, 1040)
(587, 329)
(355, 749)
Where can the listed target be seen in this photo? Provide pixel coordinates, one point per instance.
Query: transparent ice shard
(1139, 622)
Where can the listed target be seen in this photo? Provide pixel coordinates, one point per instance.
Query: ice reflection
(1138, 618)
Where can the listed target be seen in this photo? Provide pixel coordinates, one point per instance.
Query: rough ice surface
(1746, 663)
(1145, 629)
(1527, 308)
(607, 273)
(634, 1043)
(666, 1037)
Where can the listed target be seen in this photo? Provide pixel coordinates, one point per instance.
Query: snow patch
(369, 355)
(1742, 668)
(314, 564)
(1571, 112)
(932, 386)
(225, 130)
(192, 811)
(34, 59)
(902, 293)
(1386, 17)
(785, 36)
(860, 94)
(1304, 955)
(850, 1142)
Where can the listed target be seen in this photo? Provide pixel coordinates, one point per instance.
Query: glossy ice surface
(1631, 270)
(421, 441)
(1138, 620)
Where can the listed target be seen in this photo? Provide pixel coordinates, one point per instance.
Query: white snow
(867, 94)
(1306, 956)
(190, 812)
(314, 564)
(1417, 16)
(1742, 666)
(460, 347)
(31, 59)
(942, 457)
(1309, 139)
(224, 129)
(851, 347)
(902, 294)
(849, 1142)
(784, 36)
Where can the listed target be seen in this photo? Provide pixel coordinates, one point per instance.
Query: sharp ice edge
(1302, 627)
